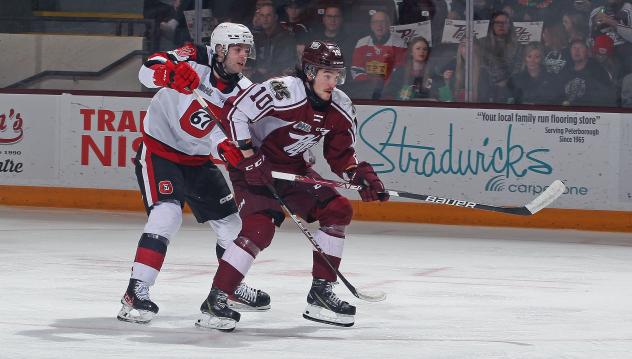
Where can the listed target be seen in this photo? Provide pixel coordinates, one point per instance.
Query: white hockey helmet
(228, 33)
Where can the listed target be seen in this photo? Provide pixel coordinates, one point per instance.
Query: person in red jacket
(375, 56)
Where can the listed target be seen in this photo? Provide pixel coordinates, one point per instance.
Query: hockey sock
(235, 264)
(332, 247)
(150, 255)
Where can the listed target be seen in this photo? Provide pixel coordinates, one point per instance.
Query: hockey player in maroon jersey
(274, 123)
(173, 164)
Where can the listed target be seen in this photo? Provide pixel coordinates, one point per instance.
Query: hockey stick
(544, 199)
(368, 296)
(375, 296)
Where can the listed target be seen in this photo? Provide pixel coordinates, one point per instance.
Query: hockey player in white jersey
(173, 164)
(275, 123)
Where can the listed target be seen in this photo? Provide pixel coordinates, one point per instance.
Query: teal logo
(495, 184)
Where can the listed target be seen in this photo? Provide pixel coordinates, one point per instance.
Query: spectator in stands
(295, 13)
(556, 52)
(537, 10)
(585, 82)
(483, 9)
(169, 14)
(275, 47)
(254, 23)
(375, 56)
(584, 6)
(499, 56)
(458, 86)
(534, 85)
(163, 12)
(333, 30)
(575, 24)
(614, 19)
(456, 10)
(413, 79)
(412, 11)
(243, 11)
(603, 53)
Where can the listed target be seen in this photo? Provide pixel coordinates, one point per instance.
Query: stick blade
(547, 197)
(371, 296)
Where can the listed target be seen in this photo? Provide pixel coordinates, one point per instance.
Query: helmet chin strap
(316, 102)
(218, 68)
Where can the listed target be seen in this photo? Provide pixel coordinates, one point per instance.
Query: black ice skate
(248, 299)
(324, 306)
(216, 314)
(137, 307)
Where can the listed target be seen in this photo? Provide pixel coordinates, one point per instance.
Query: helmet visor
(339, 73)
(247, 48)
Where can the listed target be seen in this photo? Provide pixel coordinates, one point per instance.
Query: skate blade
(241, 307)
(131, 315)
(212, 322)
(326, 316)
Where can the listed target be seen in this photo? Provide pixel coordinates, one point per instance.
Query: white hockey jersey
(176, 127)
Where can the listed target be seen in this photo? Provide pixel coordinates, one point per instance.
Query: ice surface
(453, 292)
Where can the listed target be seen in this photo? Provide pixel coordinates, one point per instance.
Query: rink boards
(76, 151)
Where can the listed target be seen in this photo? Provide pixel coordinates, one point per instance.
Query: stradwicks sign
(492, 156)
(496, 156)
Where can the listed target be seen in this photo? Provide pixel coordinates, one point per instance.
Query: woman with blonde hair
(534, 85)
(412, 80)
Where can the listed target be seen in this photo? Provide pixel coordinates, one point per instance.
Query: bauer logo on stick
(451, 202)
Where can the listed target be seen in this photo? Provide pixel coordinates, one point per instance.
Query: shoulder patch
(280, 89)
(184, 53)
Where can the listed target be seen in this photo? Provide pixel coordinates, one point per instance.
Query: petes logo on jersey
(301, 145)
(165, 187)
(280, 90)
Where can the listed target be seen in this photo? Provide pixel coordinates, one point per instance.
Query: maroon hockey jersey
(282, 123)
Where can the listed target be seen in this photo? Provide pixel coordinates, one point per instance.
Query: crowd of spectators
(574, 52)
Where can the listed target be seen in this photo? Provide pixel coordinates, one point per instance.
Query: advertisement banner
(408, 31)
(100, 136)
(29, 137)
(499, 157)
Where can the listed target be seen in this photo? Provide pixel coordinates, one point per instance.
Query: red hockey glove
(365, 176)
(256, 170)
(180, 77)
(229, 153)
